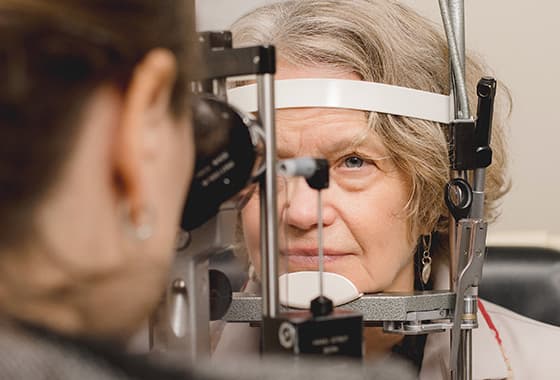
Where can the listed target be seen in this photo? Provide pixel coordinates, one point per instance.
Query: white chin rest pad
(302, 287)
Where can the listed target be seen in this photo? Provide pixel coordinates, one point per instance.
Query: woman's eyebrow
(336, 146)
(325, 147)
(340, 145)
(354, 143)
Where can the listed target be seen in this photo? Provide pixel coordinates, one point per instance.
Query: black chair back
(525, 280)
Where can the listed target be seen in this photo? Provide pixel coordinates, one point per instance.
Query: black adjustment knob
(320, 179)
(483, 156)
(321, 306)
(220, 294)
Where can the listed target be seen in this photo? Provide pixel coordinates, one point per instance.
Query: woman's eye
(353, 162)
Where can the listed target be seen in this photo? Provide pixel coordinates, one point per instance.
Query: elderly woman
(384, 209)
(96, 154)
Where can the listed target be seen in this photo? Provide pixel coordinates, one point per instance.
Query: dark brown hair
(52, 55)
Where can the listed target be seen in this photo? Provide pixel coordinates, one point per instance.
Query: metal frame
(180, 323)
(429, 311)
(416, 313)
(268, 200)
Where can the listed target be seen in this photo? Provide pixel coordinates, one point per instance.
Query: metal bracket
(375, 308)
(471, 238)
(180, 323)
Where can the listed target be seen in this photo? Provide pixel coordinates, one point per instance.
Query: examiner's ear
(145, 112)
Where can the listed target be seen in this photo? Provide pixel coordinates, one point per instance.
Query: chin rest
(525, 280)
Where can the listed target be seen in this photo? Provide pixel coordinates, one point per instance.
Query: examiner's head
(96, 154)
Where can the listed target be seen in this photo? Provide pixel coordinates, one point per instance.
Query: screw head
(287, 335)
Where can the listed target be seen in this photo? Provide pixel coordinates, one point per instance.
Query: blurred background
(517, 39)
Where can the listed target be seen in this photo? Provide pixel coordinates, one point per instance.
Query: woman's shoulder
(504, 345)
(530, 345)
(511, 318)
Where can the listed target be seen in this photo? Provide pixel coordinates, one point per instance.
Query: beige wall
(519, 41)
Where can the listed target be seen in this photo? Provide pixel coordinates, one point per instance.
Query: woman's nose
(301, 203)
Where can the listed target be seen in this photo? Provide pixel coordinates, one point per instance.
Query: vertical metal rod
(263, 245)
(457, 15)
(219, 88)
(453, 15)
(320, 242)
(453, 19)
(453, 253)
(479, 182)
(455, 30)
(466, 354)
(199, 308)
(265, 86)
(457, 12)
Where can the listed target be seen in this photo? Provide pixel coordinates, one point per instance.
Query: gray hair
(386, 42)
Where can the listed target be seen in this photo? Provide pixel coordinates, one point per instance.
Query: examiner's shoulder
(26, 355)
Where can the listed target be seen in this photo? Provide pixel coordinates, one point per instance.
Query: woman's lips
(309, 258)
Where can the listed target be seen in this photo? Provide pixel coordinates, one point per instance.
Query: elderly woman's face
(366, 232)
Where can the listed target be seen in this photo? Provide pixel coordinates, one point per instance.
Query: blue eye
(353, 162)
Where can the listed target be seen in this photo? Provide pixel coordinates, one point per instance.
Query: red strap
(497, 336)
(489, 321)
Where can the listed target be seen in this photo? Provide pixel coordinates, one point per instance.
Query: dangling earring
(252, 273)
(426, 258)
(142, 228)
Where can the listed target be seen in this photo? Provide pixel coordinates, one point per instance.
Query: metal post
(477, 209)
(452, 12)
(457, 17)
(454, 22)
(466, 354)
(269, 257)
(219, 88)
(199, 311)
(320, 241)
(457, 13)
(453, 253)
(263, 247)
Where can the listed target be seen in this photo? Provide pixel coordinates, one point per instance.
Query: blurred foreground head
(96, 153)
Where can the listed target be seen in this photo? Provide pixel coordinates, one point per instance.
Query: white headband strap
(351, 94)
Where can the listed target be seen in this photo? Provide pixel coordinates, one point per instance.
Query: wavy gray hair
(386, 42)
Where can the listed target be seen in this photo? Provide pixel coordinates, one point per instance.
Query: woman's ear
(146, 109)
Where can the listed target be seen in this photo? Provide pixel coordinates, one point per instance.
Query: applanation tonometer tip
(316, 173)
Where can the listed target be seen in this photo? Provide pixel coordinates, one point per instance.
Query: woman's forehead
(325, 131)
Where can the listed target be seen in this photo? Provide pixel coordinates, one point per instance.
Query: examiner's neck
(45, 297)
(59, 319)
